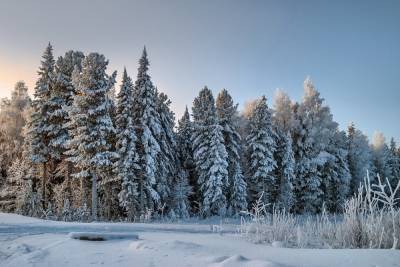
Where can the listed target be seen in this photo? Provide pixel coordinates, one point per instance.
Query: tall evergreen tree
(380, 156)
(185, 154)
(285, 171)
(313, 131)
(359, 157)
(260, 153)
(209, 154)
(236, 187)
(167, 163)
(148, 129)
(336, 174)
(90, 147)
(39, 151)
(394, 163)
(128, 164)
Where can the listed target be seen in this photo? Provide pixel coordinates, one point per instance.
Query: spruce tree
(39, 150)
(60, 102)
(185, 154)
(358, 157)
(260, 150)
(209, 154)
(394, 164)
(167, 163)
(236, 187)
(148, 129)
(285, 171)
(313, 131)
(90, 147)
(128, 165)
(336, 174)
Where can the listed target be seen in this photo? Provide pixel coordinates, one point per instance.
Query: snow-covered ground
(32, 242)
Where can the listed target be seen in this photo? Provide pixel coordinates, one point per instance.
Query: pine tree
(128, 164)
(359, 157)
(39, 121)
(260, 153)
(147, 125)
(209, 154)
(90, 147)
(236, 187)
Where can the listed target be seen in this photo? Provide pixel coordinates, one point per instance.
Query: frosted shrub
(371, 219)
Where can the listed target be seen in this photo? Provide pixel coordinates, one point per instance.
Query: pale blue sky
(351, 49)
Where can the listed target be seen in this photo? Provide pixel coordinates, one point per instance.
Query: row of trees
(77, 138)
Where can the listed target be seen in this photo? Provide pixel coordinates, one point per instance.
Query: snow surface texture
(32, 242)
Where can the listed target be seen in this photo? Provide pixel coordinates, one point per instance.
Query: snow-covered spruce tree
(336, 174)
(147, 125)
(285, 171)
(236, 187)
(185, 154)
(167, 160)
(209, 154)
(60, 103)
(312, 132)
(359, 157)
(260, 150)
(283, 118)
(394, 163)
(380, 156)
(127, 166)
(39, 127)
(29, 200)
(90, 148)
(172, 182)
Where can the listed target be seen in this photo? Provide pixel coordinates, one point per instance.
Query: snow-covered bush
(371, 219)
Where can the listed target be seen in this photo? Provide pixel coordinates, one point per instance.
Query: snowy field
(27, 241)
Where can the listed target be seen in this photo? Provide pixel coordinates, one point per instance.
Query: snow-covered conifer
(209, 154)
(394, 163)
(236, 187)
(147, 125)
(185, 154)
(312, 132)
(381, 156)
(90, 148)
(359, 157)
(260, 150)
(284, 171)
(336, 174)
(127, 167)
(39, 119)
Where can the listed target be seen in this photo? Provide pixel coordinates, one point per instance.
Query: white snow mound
(98, 236)
(241, 261)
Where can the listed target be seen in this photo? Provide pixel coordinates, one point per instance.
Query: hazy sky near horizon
(351, 49)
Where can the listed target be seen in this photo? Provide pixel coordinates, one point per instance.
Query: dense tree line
(77, 151)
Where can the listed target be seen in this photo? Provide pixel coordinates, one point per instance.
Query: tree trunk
(94, 196)
(44, 184)
(69, 185)
(141, 194)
